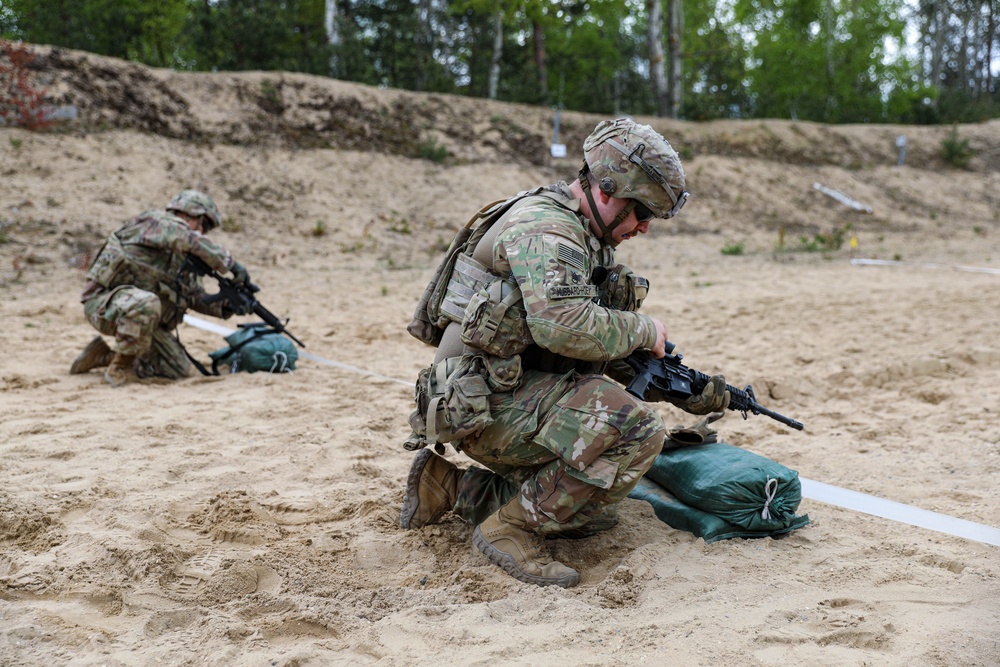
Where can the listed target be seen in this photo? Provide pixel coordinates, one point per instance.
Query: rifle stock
(673, 380)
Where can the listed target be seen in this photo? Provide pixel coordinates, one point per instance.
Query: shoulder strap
(490, 213)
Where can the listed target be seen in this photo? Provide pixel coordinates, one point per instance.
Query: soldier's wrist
(648, 333)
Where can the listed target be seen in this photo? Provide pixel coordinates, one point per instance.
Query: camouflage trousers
(133, 316)
(568, 445)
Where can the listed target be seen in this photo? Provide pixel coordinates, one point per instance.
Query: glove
(699, 434)
(713, 398)
(240, 274)
(232, 307)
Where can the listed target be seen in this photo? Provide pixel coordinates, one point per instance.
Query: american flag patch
(571, 256)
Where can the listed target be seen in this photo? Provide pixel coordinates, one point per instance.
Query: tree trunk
(497, 52)
(424, 43)
(991, 29)
(537, 36)
(675, 79)
(938, 20)
(332, 32)
(657, 68)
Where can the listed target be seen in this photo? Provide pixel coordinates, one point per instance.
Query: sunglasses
(642, 214)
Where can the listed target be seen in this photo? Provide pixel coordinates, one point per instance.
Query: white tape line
(888, 509)
(886, 262)
(824, 493)
(224, 331)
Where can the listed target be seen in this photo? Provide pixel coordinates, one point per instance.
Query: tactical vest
(461, 277)
(124, 262)
(452, 395)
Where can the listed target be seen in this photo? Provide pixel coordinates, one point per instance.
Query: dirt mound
(303, 111)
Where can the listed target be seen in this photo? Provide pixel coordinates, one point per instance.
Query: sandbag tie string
(280, 362)
(770, 489)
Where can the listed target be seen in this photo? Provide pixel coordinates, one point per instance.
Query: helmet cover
(197, 204)
(632, 161)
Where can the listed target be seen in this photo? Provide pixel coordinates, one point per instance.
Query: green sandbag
(707, 526)
(257, 348)
(717, 491)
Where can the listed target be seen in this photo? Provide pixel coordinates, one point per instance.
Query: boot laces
(539, 552)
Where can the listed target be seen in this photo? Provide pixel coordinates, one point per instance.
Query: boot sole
(411, 498)
(507, 563)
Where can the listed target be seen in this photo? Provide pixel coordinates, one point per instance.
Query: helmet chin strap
(606, 230)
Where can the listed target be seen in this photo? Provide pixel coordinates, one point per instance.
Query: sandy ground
(252, 519)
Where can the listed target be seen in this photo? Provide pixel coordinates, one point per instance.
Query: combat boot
(431, 489)
(606, 519)
(522, 553)
(97, 354)
(121, 370)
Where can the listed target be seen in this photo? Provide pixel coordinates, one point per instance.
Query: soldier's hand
(236, 307)
(713, 398)
(240, 274)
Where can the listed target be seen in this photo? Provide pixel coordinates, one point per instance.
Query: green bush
(433, 151)
(956, 151)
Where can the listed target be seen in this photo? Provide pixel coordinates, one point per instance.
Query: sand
(252, 519)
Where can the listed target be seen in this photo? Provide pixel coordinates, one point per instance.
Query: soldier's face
(630, 227)
(197, 224)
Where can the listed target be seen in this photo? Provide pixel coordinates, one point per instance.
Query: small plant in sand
(431, 150)
(229, 224)
(733, 249)
(956, 151)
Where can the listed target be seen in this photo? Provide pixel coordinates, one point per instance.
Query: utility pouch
(446, 296)
(427, 324)
(452, 398)
(623, 290)
(495, 320)
(111, 266)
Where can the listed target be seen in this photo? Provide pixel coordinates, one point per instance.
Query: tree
(822, 60)
(675, 28)
(657, 69)
(143, 30)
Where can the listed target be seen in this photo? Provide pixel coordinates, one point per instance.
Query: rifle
(240, 295)
(674, 380)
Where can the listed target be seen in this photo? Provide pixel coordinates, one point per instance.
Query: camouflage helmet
(197, 204)
(632, 161)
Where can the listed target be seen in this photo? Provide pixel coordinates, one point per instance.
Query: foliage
(132, 29)
(258, 35)
(21, 103)
(820, 242)
(837, 61)
(733, 249)
(956, 151)
(821, 60)
(430, 149)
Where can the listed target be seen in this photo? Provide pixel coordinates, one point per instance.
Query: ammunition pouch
(495, 320)
(112, 266)
(453, 397)
(623, 290)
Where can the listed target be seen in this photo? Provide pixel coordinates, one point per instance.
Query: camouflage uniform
(137, 293)
(570, 441)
